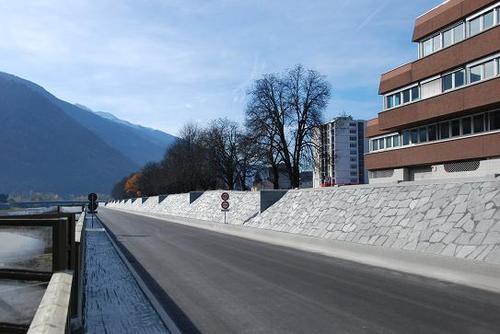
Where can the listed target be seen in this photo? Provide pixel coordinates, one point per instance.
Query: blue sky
(161, 63)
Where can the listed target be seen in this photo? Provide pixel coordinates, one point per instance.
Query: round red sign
(224, 205)
(224, 196)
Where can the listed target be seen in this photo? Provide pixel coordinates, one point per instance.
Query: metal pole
(225, 222)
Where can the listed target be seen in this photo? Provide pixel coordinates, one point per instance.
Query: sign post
(224, 205)
(92, 206)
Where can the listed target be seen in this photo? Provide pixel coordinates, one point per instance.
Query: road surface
(216, 283)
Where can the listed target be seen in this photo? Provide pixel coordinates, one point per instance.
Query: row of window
(464, 126)
(471, 26)
(472, 73)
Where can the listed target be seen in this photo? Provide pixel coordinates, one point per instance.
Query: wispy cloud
(164, 62)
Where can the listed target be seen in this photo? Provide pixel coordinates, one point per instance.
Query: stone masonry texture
(460, 219)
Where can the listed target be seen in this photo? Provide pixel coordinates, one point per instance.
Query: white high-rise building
(340, 155)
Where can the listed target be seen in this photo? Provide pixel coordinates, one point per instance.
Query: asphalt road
(215, 283)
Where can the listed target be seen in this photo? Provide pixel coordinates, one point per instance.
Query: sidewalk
(114, 302)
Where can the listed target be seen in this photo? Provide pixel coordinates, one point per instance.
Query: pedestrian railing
(41, 256)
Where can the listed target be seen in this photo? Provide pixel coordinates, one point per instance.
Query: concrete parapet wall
(452, 219)
(51, 316)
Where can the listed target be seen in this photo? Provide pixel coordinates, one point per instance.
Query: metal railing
(58, 256)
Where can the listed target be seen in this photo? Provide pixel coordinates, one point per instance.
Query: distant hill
(49, 145)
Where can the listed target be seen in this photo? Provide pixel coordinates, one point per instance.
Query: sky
(163, 63)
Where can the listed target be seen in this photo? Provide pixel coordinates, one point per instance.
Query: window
(388, 142)
(353, 138)
(353, 145)
(381, 143)
(406, 137)
(466, 126)
(459, 79)
(475, 26)
(422, 134)
(495, 120)
(448, 38)
(458, 33)
(414, 136)
(488, 20)
(427, 47)
(444, 130)
(390, 102)
(354, 152)
(455, 128)
(478, 122)
(431, 88)
(395, 140)
(432, 131)
(448, 82)
(397, 100)
(475, 73)
(436, 43)
(453, 80)
(415, 93)
(489, 69)
(406, 96)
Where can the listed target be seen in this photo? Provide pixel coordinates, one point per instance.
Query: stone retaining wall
(175, 205)
(460, 219)
(243, 206)
(454, 219)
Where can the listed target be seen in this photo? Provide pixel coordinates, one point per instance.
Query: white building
(340, 156)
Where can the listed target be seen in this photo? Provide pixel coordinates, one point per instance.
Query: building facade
(441, 113)
(340, 155)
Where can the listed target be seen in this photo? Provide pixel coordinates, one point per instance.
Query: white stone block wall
(150, 204)
(243, 206)
(175, 205)
(452, 219)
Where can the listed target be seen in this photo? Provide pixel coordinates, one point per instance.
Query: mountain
(139, 143)
(50, 145)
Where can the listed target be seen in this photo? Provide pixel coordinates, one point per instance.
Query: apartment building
(441, 112)
(340, 156)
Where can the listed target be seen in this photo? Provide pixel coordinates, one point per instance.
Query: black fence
(32, 249)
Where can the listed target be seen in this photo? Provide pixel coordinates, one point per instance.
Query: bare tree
(221, 139)
(285, 109)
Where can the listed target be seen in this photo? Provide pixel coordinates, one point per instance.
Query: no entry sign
(224, 196)
(224, 205)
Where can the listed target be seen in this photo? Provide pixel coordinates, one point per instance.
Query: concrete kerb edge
(167, 320)
(480, 275)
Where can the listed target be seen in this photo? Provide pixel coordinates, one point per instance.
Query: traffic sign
(224, 196)
(92, 202)
(224, 205)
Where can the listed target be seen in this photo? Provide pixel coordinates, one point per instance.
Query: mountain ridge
(50, 145)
